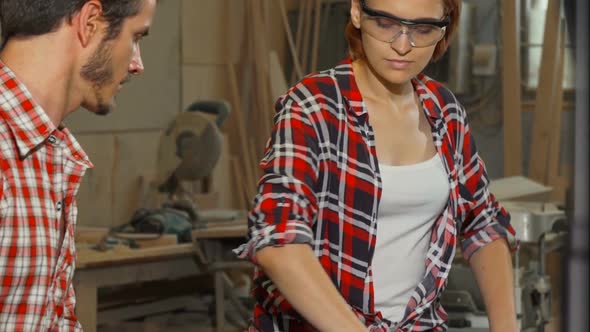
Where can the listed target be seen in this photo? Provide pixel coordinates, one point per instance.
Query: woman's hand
(298, 274)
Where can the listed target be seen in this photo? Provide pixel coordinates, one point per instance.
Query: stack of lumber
(258, 79)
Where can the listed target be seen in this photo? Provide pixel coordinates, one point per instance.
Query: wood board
(511, 88)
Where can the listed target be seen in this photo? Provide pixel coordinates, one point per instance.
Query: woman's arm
(298, 274)
(487, 234)
(492, 266)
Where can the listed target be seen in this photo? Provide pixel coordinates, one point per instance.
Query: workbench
(97, 269)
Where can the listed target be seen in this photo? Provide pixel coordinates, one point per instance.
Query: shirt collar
(424, 86)
(428, 90)
(28, 121)
(349, 89)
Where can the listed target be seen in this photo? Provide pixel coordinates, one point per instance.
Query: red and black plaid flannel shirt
(321, 186)
(40, 171)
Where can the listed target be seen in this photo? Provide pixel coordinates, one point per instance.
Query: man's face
(115, 60)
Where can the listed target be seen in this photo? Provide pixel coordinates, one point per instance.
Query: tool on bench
(189, 150)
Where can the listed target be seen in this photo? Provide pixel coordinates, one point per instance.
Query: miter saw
(189, 150)
(191, 145)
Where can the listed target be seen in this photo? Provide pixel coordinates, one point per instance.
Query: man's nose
(136, 65)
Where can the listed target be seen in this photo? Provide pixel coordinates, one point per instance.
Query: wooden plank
(306, 37)
(278, 82)
(519, 188)
(244, 151)
(541, 131)
(281, 44)
(316, 35)
(240, 192)
(240, 221)
(562, 183)
(90, 235)
(88, 258)
(297, 72)
(261, 61)
(258, 153)
(237, 231)
(555, 139)
(511, 89)
(160, 241)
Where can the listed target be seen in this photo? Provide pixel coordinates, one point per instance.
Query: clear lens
(387, 29)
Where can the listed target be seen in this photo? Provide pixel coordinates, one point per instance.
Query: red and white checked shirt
(321, 186)
(40, 171)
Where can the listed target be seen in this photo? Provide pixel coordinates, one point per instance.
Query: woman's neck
(375, 87)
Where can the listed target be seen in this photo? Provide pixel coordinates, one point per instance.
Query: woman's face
(398, 61)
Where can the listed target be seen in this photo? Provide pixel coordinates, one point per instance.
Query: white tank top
(413, 197)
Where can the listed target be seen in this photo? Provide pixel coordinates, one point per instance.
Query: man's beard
(99, 71)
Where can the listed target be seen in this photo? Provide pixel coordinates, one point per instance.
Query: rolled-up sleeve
(285, 206)
(484, 219)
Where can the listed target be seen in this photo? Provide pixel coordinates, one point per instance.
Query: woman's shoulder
(329, 85)
(436, 88)
(445, 100)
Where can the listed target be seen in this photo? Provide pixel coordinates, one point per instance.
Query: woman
(371, 177)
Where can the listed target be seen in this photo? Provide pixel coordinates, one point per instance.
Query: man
(56, 56)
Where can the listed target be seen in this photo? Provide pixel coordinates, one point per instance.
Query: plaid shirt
(40, 171)
(321, 186)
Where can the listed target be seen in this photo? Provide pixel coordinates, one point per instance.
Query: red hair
(452, 11)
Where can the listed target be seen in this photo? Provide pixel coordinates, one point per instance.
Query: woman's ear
(355, 13)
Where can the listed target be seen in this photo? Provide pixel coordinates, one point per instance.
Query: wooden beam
(240, 192)
(316, 35)
(298, 74)
(542, 118)
(246, 158)
(237, 231)
(262, 111)
(306, 37)
(511, 92)
(292, 46)
(555, 139)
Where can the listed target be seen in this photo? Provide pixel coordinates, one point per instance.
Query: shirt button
(59, 206)
(52, 139)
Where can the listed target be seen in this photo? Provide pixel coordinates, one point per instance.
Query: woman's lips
(399, 64)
